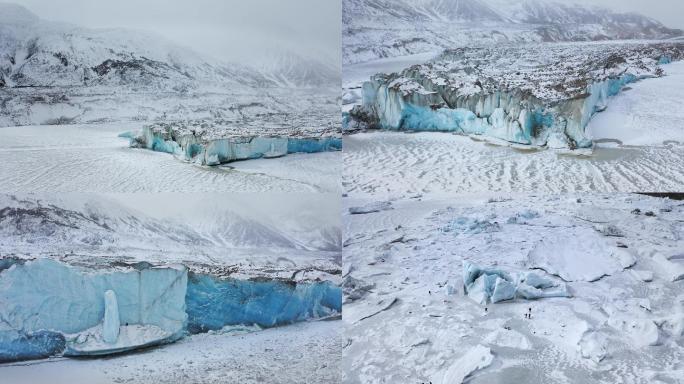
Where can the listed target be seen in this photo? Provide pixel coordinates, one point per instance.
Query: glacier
(51, 308)
(214, 303)
(74, 298)
(495, 92)
(381, 29)
(214, 142)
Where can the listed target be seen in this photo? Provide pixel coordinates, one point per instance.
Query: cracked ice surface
(409, 320)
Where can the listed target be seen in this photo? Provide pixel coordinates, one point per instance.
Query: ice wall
(214, 303)
(42, 300)
(220, 151)
(511, 115)
(47, 306)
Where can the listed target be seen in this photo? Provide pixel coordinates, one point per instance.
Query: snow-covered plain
(306, 352)
(649, 113)
(400, 164)
(91, 158)
(408, 320)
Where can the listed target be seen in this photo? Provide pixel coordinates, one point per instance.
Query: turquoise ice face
(34, 318)
(214, 303)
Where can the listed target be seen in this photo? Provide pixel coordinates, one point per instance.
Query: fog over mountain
(381, 28)
(227, 30)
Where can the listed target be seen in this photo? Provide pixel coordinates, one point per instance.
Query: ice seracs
(218, 141)
(540, 95)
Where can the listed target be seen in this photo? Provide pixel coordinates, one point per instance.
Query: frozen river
(91, 158)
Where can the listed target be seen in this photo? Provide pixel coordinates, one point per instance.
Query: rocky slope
(374, 29)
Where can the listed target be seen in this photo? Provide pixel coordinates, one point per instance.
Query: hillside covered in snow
(57, 73)
(85, 230)
(375, 29)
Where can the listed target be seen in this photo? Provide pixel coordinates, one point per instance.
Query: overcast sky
(233, 30)
(669, 12)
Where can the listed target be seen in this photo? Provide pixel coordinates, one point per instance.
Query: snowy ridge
(55, 73)
(89, 231)
(37, 53)
(374, 29)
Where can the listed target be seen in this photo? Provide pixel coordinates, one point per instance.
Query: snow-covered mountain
(80, 222)
(383, 28)
(288, 69)
(39, 53)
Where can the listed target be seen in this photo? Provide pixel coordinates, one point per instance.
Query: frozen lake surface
(650, 113)
(409, 320)
(303, 352)
(91, 158)
(400, 164)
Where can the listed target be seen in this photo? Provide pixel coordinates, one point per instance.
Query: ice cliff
(50, 308)
(542, 95)
(213, 142)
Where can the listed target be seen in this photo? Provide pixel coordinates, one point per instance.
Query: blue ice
(214, 303)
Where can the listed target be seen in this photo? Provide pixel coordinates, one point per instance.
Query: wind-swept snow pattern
(91, 158)
(523, 288)
(542, 94)
(398, 164)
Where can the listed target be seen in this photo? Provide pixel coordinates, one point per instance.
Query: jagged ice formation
(541, 95)
(213, 142)
(49, 308)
